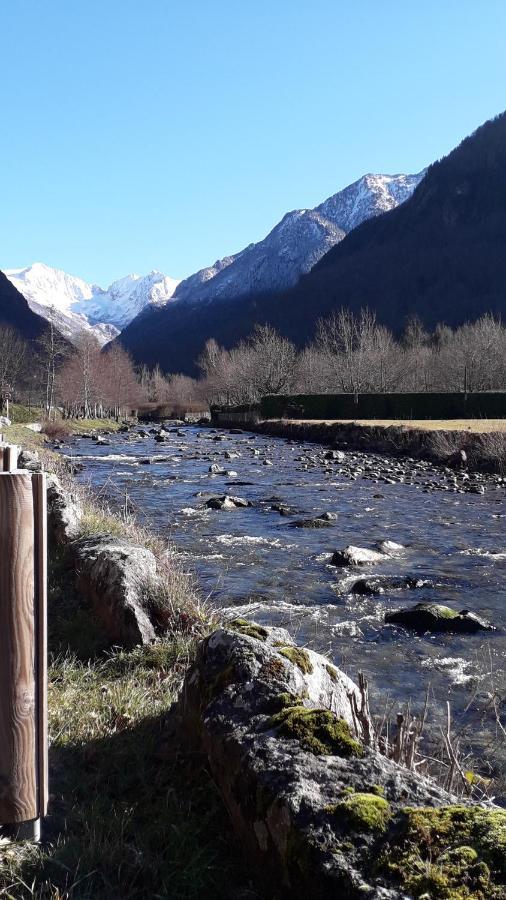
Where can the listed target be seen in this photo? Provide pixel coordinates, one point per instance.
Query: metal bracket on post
(23, 650)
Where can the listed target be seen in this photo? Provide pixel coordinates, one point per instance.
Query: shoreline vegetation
(134, 814)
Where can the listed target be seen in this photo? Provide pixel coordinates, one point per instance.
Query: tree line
(350, 353)
(354, 353)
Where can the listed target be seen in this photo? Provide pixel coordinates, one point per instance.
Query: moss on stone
(451, 852)
(332, 671)
(250, 629)
(221, 681)
(317, 730)
(364, 811)
(444, 612)
(377, 789)
(299, 657)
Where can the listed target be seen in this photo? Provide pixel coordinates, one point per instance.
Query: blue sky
(160, 134)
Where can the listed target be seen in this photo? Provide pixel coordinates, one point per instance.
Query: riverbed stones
(438, 618)
(390, 548)
(227, 502)
(356, 556)
(381, 584)
(315, 809)
(316, 522)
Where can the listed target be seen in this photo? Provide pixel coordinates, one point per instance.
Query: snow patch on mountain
(77, 306)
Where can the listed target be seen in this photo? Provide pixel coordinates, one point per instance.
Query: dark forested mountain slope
(14, 311)
(442, 254)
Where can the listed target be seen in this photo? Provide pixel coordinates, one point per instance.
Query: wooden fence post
(23, 649)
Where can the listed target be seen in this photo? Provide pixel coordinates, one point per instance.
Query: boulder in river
(336, 455)
(356, 556)
(436, 617)
(380, 584)
(391, 548)
(316, 522)
(227, 502)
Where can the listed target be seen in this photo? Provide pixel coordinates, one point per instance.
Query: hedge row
(385, 406)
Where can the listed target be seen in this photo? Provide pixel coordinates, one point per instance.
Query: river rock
(336, 455)
(115, 575)
(356, 556)
(379, 584)
(436, 617)
(314, 809)
(390, 548)
(227, 502)
(215, 469)
(317, 522)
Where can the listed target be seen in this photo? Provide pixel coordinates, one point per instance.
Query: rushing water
(254, 562)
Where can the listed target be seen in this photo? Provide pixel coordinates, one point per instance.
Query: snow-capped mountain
(78, 306)
(298, 241)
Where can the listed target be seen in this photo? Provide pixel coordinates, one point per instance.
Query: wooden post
(23, 676)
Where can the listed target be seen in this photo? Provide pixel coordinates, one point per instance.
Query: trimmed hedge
(385, 406)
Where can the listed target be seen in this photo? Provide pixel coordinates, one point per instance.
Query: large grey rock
(64, 511)
(29, 459)
(260, 709)
(116, 576)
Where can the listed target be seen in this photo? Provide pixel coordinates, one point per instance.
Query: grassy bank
(132, 817)
(21, 416)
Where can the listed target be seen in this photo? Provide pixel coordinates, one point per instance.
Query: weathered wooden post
(23, 649)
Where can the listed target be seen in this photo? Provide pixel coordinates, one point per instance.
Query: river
(253, 562)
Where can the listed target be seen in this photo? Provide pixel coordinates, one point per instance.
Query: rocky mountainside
(297, 242)
(78, 306)
(174, 337)
(15, 312)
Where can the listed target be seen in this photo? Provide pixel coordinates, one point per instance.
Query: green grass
(22, 436)
(19, 414)
(131, 815)
(85, 426)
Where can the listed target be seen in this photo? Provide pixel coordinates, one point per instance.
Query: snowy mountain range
(78, 306)
(290, 250)
(298, 241)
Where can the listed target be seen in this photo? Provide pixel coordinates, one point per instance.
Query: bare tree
(54, 350)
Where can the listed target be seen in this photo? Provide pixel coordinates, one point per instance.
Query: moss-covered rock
(452, 853)
(436, 617)
(250, 629)
(364, 812)
(298, 657)
(317, 730)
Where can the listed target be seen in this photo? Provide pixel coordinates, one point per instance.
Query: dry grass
(473, 426)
